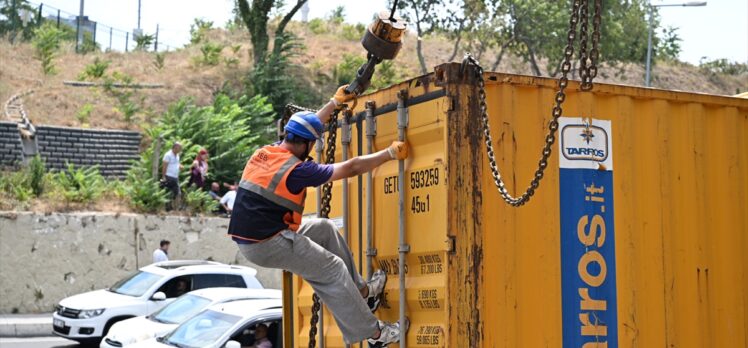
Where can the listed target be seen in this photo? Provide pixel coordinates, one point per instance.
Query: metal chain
(595, 51)
(316, 305)
(563, 82)
(332, 128)
(588, 59)
(583, 29)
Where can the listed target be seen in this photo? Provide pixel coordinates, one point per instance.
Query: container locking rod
(403, 248)
(371, 132)
(345, 140)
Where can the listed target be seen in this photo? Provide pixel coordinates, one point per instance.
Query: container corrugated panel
(672, 260)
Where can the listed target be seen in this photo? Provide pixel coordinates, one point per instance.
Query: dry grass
(54, 103)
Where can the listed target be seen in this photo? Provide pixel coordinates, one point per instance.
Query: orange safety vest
(266, 173)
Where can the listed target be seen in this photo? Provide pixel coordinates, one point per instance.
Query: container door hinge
(371, 252)
(404, 248)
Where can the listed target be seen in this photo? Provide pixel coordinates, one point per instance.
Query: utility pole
(139, 14)
(648, 66)
(79, 42)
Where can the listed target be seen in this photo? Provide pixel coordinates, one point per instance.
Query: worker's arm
(325, 112)
(363, 164)
(163, 169)
(340, 97)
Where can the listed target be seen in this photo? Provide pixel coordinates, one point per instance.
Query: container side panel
(681, 197)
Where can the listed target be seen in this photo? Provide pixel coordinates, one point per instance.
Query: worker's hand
(398, 150)
(341, 97)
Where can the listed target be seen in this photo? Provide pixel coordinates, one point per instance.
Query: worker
(266, 224)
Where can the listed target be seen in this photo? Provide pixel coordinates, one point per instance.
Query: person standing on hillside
(170, 173)
(199, 169)
(162, 253)
(266, 223)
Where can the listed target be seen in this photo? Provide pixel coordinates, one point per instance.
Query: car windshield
(182, 308)
(136, 284)
(201, 330)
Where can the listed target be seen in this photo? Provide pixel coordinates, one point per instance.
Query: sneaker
(389, 333)
(376, 289)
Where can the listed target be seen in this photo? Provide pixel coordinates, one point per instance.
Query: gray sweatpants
(319, 254)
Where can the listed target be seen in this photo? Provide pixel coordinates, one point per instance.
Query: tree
(11, 22)
(669, 46)
(424, 15)
(536, 30)
(255, 18)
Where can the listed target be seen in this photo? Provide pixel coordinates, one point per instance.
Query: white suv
(87, 317)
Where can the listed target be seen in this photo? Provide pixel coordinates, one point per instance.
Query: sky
(718, 30)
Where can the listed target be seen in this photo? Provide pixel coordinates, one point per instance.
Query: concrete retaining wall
(11, 149)
(47, 257)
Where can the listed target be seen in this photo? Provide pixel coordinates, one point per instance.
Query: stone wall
(111, 150)
(47, 257)
(11, 149)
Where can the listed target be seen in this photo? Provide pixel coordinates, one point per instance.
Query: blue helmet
(304, 124)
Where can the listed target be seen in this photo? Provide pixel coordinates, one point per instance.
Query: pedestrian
(162, 253)
(266, 224)
(228, 199)
(215, 191)
(199, 169)
(170, 173)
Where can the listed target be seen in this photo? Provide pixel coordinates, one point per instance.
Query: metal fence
(95, 34)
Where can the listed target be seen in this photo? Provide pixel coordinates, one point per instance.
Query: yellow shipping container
(636, 238)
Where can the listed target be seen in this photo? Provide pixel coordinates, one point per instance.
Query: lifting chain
(587, 72)
(332, 128)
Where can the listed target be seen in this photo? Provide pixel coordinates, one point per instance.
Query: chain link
(588, 59)
(557, 111)
(332, 128)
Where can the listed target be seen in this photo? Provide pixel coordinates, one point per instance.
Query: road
(37, 342)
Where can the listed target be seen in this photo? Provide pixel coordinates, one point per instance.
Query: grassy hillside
(183, 76)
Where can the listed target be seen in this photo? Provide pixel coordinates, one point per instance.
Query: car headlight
(90, 313)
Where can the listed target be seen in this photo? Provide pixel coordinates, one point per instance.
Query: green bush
(46, 44)
(210, 54)
(337, 15)
(345, 71)
(318, 26)
(127, 107)
(199, 201)
(386, 74)
(159, 60)
(723, 66)
(353, 32)
(88, 45)
(84, 113)
(15, 190)
(95, 70)
(144, 41)
(77, 185)
(145, 193)
(230, 129)
(199, 29)
(36, 172)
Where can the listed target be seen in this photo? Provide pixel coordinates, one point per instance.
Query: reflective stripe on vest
(266, 174)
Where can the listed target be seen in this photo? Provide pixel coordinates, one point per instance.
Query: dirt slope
(55, 103)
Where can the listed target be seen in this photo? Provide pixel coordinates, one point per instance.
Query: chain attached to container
(332, 128)
(587, 72)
